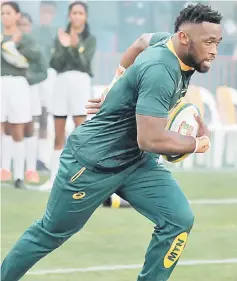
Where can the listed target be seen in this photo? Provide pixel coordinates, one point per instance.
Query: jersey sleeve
(158, 36)
(83, 55)
(156, 87)
(37, 72)
(29, 48)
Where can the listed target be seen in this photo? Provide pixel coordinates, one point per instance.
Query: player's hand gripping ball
(182, 120)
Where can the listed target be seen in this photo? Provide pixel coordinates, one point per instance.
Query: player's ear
(183, 37)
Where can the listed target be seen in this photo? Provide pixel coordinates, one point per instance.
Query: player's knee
(17, 137)
(185, 220)
(49, 234)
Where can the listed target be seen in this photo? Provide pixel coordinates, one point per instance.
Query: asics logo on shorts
(78, 195)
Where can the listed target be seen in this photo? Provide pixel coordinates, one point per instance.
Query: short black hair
(12, 4)
(197, 14)
(26, 15)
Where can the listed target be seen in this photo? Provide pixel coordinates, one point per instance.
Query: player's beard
(191, 58)
(200, 67)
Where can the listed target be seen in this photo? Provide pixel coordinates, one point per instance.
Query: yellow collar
(183, 66)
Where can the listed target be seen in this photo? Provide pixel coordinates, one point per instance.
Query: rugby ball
(181, 120)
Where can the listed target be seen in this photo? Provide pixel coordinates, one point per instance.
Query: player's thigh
(75, 195)
(18, 100)
(153, 191)
(79, 93)
(59, 98)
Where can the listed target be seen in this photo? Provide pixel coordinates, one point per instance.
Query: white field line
(226, 201)
(124, 267)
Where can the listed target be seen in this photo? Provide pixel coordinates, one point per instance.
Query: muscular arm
(127, 59)
(135, 49)
(153, 137)
(143, 42)
(156, 87)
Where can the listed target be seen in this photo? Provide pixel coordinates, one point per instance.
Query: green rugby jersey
(37, 71)
(80, 58)
(45, 36)
(151, 86)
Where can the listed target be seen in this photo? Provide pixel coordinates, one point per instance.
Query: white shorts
(47, 87)
(15, 100)
(71, 93)
(35, 100)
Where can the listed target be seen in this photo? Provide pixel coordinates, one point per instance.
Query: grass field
(120, 236)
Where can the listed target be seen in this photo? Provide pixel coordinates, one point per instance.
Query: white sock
(55, 163)
(18, 150)
(43, 150)
(31, 153)
(6, 152)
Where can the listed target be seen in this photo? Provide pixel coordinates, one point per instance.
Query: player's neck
(10, 30)
(178, 50)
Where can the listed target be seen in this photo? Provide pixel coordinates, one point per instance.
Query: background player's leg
(6, 152)
(76, 193)
(45, 93)
(59, 141)
(78, 120)
(30, 141)
(42, 141)
(153, 192)
(59, 123)
(19, 114)
(60, 112)
(18, 152)
(6, 138)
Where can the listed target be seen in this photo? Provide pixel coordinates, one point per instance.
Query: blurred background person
(72, 58)
(25, 23)
(135, 18)
(36, 73)
(45, 34)
(18, 50)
